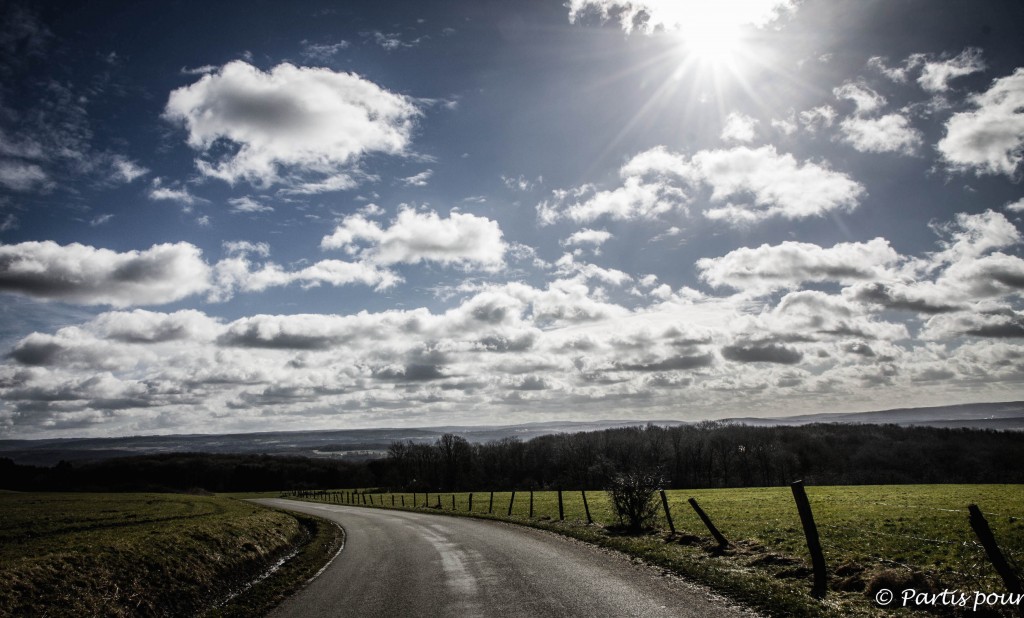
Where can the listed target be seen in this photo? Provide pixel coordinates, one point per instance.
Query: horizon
(486, 214)
(599, 421)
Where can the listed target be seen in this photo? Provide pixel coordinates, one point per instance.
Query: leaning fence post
(719, 537)
(803, 507)
(510, 502)
(561, 511)
(586, 507)
(988, 540)
(403, 501)
(668, 513)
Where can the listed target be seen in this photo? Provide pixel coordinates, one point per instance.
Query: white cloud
(888, 133)
(20, 176)
(587, 236)
(790, 264)
(101, 220)
(739, 128)
(158, 191)
(90, 276)
(1017, 206)
(818, 118)
(462, 239)
(290, 120)
(778, 183)
(936, 74)
(657, 181)
(864, 98)
(418, 180)
(126, 170)
(692, 18)
(990, 139)
(247, 204)
(323, 52)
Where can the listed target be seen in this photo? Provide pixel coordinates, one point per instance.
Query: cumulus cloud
(461, 239)
(778, 183)
(888, 133)
(739, 128)
(864, 98)
(990, 138)
(692, 18)
(790, 264)
(90, 276)
(763, 182)
(290, 121)
(587, 236)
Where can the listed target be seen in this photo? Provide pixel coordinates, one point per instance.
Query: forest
(703, 455)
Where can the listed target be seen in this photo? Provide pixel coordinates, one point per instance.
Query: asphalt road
(400, 563)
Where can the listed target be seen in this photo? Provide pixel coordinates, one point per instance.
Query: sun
(713, 35)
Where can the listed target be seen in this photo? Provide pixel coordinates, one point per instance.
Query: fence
(848, 533)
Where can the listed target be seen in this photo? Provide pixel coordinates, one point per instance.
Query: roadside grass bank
(147, 554)
(898, 537)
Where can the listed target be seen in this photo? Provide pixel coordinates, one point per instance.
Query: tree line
(705, 455)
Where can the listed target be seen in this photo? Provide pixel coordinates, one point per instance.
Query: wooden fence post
(453, 502)
(531, 504)
(470, 509)
(668, 513)
(586, 507)
(803, 507)
(403, 501)
(438, 500)
(719, 537)
(490, 508)
(988, 540)
(510, 502)
(561, 511)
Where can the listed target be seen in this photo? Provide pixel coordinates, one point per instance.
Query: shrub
(633, 496)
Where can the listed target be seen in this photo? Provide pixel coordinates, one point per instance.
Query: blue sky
(247, 217)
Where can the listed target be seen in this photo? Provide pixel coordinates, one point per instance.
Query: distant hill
(358, 444)
(1003, 416)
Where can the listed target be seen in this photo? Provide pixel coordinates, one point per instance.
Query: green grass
(867, 532)
(137, 554)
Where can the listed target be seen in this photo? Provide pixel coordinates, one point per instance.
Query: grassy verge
(137, 554)
(873, 536)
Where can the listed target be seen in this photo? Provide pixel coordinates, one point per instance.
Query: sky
(232, 217)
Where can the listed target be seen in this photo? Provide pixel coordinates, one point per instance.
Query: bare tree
(633, 496)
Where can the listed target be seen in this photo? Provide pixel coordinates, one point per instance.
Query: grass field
(138, 554)
(913, 536)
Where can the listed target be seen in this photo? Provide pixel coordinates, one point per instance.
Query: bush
(633, 496)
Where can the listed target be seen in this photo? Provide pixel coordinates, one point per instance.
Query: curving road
(401, 563)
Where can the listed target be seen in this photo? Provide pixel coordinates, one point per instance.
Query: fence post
(668, 513)
(470, 509)
(510, 502)
(438, 500)
(403, 501)
(531, 504)
(561, 511)
(586, 507)
(453, 502)
(490, 508)
(988, 540)
(722, 541)
(803, 507)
